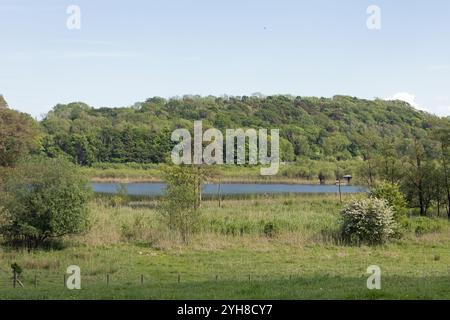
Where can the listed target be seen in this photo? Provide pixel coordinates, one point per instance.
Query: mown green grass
(303, 260)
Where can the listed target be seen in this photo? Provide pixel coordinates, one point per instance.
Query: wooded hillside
(316, 128)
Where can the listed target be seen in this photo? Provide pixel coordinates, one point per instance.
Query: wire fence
(59, 281)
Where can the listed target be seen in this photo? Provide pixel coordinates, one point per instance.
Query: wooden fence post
(219, 194)
(14, 278)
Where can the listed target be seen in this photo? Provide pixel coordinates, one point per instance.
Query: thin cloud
(406, 97)
(441, 108)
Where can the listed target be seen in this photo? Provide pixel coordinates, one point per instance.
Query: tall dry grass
(289, 219)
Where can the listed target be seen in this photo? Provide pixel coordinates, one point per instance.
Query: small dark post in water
(107, 280)
(217, 277)
(220, 196)
(142, 279)
(35, 281)
(340, 194)
(338, 177)
(179, 279)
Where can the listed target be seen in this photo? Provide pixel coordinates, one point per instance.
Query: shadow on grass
(297, 288)
(47, 245)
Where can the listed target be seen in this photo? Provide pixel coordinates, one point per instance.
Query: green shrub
(121, 198)
(18, 269)
(116, 201)
(137, 230)
(424, 225)
(369, 221)
(42, 199)
(393, 196)
(270, 229)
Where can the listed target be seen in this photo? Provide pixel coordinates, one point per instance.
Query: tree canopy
(43, 198)
(315, 128)
(19, 134)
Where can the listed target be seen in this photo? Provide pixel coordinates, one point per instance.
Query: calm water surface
(229, 188)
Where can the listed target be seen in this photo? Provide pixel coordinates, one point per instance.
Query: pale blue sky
(127, 51)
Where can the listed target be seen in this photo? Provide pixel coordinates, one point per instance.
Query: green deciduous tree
(43, 198)
(442, 135)
(180, 203)
(393, 196)
(19, 134)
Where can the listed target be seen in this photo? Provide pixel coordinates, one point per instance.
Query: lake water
(154, 189)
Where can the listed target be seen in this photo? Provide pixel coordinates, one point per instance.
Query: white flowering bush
(369, 221)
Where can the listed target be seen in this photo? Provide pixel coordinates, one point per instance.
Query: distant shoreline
(297, 173)
(226, 180)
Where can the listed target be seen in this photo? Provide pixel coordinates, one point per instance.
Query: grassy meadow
(284, 247)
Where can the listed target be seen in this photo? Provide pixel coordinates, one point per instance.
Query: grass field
(234, 255)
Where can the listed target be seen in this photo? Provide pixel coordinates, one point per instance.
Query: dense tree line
(418, 164)
(315, 128)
